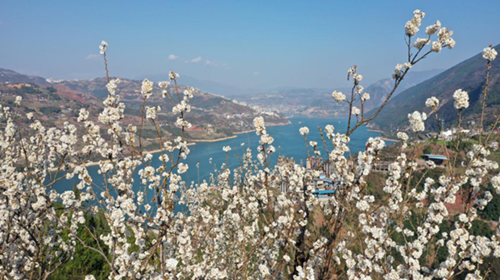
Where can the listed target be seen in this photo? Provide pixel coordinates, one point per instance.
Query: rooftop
(432, 156)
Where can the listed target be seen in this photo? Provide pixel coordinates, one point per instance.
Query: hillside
(379, 90)
(212, 116)
(468, 75)
(52, 105)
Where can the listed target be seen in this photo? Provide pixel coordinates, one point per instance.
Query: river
(287, 141)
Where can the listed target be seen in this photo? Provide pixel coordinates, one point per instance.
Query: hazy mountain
(468, 75)
(296, 89)
(296, 101)
(319, 101)
(205, 85)
(129, 91)
(212, 116)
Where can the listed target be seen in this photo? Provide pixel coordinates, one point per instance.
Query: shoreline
(253, 130)
(194, 141)
(244, 131)
(375, 130)
(382, 135)
(214, 140)
(235, 134)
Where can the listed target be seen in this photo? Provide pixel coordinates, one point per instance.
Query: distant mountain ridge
(9, 76)
(206, 85)
(319, 102)
(468, 75)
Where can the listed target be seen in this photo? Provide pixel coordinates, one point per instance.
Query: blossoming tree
(257, 221)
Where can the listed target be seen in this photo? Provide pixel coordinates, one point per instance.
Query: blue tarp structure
(436, 157)
(323, 192)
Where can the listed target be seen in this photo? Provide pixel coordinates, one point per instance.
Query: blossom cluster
(417, 121)
(489, 53)
(461, 99)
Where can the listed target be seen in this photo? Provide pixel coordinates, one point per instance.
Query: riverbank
(382, 135)
(240, 132)
(215, 140)
(244, 131)
(375, 130)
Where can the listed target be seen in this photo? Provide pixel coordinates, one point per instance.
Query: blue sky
(248, 44)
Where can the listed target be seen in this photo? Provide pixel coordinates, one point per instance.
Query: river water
(287, 141)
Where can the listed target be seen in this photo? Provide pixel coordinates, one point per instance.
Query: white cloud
(206, 62)
(211, 63)
(172, 57)
(196, 60)
(92, 57)
(256, 73)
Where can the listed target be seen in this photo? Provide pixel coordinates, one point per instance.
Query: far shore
(245, 131)
(237, 133)
(375, 130)
(253, 130)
